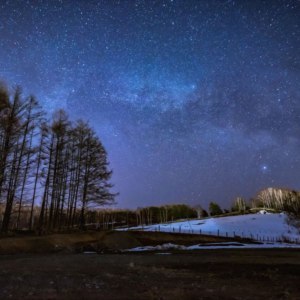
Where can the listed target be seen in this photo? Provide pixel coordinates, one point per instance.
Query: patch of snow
(225, 245)
(263, 212)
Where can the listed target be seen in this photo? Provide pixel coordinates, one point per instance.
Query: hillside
(260, 227)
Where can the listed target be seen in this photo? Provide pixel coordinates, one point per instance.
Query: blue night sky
(194, 100)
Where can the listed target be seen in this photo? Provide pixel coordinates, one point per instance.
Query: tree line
(58, 164)
(112, 218)
(272, 199)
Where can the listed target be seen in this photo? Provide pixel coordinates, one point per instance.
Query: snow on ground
(260, 227)
(170, 246)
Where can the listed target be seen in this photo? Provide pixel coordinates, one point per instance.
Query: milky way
(194, 100)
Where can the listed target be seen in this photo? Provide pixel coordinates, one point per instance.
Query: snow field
(260, 227)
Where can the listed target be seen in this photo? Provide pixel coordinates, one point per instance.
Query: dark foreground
(207, 274)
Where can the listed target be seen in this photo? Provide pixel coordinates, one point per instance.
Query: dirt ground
(100, 241)
(206, 274)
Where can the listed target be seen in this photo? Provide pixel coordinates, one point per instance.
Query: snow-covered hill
(260, 226)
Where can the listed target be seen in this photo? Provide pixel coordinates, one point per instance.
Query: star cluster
(194, 100)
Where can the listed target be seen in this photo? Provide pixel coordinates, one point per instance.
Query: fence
(233, 234)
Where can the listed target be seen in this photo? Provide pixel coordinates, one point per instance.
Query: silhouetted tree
(214, 209)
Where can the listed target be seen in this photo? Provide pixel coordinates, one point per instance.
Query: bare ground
(60, 273)
(207, 274)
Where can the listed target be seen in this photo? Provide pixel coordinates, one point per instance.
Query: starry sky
(195, 101)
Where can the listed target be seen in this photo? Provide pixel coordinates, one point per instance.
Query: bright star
(264, 168)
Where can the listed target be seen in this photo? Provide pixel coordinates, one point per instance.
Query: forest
(54, 170)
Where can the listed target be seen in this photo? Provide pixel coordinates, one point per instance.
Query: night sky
(194, 100)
